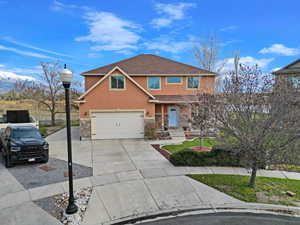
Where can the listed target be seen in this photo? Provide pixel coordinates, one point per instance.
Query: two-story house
(121, 98)
(291, 73)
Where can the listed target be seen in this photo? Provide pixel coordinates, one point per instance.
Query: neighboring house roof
(107, 75)
(292, 68)
(174, 98)
(149, 64)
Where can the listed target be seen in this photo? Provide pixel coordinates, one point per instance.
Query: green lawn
(267, 190)
(207, 142)
(47, 129)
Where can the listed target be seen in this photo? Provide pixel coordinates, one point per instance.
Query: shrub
(193, 158)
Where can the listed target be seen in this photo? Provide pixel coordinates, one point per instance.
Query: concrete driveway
(107, 156)
(130, 179)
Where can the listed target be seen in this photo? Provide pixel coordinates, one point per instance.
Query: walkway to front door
(173, 117)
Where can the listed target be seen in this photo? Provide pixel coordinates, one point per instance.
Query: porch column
(162, 116)
(190, 117)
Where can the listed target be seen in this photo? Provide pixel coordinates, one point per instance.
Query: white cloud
(229, 29)
(93, 55)
(59, 6)
(161, 22)
(11, 40)
(2, 65)
(109, 32)
(247, 60)
(35, 70)
(226, 43)
(11, 76)
(26, 53)
(276, 69)
(281, 50)
(167, 45)
(170, 12)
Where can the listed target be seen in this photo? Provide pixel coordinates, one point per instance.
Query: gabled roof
(149, 64)
(107, 75)
(291, 68)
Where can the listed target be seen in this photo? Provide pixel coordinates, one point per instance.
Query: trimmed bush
(216, 157)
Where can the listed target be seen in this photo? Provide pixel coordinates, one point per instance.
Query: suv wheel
(45, 160)
(8, 163)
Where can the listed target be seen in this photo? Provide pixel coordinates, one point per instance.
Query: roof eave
(179, 74)
(171, 102)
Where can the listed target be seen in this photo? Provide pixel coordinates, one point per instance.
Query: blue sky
(88, 34)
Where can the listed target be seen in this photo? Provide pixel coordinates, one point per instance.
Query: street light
(66, 78)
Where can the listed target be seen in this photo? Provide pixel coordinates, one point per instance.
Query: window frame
(117, 89)
(187, 82)
(155, 89)
(294, 81)
(167, 82)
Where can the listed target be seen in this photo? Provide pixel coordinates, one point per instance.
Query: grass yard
(47, 129)
(268, 190)
(207, 142)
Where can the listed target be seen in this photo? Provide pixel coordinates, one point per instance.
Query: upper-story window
(294, 81)
(153, 82)
(117, 82)
(193, 82)
(174, 80)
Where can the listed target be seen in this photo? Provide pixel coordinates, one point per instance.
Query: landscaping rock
(56, 206)
(291, 194)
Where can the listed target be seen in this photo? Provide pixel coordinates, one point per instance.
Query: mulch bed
(165, 153)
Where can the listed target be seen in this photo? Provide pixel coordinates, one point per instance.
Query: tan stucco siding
(102, 98)
(206, 84)
(89, 81)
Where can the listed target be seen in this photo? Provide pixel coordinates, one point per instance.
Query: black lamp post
(66, 78)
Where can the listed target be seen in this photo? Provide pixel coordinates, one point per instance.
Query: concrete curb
(209, 209)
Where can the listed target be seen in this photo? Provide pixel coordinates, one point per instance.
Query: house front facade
(120, 99)
(290, 73)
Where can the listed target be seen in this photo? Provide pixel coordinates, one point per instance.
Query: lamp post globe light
(66, 78)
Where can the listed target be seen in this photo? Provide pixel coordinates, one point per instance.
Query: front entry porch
(172, 116)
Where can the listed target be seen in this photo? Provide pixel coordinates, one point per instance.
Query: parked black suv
(23, 144)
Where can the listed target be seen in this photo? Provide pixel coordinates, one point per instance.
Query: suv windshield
(25, 133)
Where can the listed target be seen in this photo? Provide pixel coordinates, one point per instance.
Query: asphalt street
(228, 219)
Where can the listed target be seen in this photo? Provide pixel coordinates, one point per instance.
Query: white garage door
(117, 125)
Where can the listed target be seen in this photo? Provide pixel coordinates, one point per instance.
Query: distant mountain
(7, 80)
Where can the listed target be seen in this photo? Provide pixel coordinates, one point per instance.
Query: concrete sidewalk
(130, 179)
(144, 192)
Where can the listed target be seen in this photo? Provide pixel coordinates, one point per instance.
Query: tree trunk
(53, 118)
(253, 177)
(201, 142)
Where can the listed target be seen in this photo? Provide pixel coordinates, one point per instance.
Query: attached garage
(117, 125)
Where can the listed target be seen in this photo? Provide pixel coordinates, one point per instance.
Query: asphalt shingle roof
(149, 64)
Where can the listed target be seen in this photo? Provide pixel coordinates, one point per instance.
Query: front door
(173, 117)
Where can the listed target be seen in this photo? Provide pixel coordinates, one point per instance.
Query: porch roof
(174, 99)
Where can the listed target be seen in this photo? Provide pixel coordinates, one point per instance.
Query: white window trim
(117, 89)
(154, 89)
(187, 83)
(173, 83)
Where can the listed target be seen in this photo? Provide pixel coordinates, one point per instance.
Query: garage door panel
(117, 125)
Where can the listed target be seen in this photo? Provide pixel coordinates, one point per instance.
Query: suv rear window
(25, 133)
